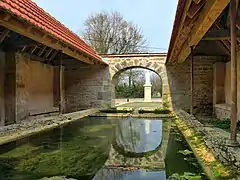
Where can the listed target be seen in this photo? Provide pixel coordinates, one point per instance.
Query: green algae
(212, 166)
(78, 153)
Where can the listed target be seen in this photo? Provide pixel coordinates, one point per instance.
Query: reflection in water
(85, 147)
(139, 136)
(118, 174)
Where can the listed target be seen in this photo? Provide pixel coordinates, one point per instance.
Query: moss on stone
(213, 167)
(72, 154)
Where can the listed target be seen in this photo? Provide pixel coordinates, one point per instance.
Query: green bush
(155, 111)
(114, 110)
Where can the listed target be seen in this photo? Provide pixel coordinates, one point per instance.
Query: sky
(154, 17)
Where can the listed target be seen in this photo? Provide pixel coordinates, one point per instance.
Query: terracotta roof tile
(35, 15)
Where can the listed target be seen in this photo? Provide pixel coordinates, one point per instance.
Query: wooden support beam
(48, 53)
(224, 48)
(62, 88)
(192, 81)
(42, 51)
(208, 15)
(10, 88)
(19, 26)
(4, 35)
(181, 24)
(33, 49)
(189, 20)
(195, 8)
(196, 1)
(221, 34)
(54, 54)
(234, 108)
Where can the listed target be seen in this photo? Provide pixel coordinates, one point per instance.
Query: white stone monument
(147, 88)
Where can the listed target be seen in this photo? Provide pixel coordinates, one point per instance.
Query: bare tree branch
(110, 33)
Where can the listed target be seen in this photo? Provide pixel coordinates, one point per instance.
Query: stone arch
(155, 63)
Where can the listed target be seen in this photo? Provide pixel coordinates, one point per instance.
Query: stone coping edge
(60, 120)
(133, 115)
(189, 125)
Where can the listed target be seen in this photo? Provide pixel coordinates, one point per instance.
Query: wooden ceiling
(197, 17)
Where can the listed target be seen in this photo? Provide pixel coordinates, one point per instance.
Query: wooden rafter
(4, 35)
(224, 47)
(33, 49)
(42, 51)
(48, 53)
(54, 54)
(181, 24)
(20, 27)
(195, 8)
(221, 34)
(208, 15)
(196, 1)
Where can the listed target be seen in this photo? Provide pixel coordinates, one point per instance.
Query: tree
(110, 33)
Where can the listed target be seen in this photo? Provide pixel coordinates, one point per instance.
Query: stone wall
(87, 86)
(222, 111)
(179, 84)
(153, 62)
(214, 140)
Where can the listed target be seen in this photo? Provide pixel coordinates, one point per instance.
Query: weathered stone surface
(33, 125)
(179, 82)
(156, 63)
(86, 87)
(214, 140)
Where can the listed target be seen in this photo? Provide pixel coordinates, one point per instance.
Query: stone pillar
(10, 88)
(147, 89)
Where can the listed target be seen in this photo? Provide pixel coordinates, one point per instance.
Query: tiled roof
(36, 16)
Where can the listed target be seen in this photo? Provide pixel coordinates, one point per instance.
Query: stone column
(147, 88)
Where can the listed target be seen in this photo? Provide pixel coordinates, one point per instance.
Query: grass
(114, 110)
(225, 124)
(155, 111)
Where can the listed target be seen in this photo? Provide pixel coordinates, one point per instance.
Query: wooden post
(61, 88)
(233, 136)
(192, 80)
(10, 88)
(2, 72)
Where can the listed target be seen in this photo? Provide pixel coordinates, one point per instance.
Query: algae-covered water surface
(101, 149)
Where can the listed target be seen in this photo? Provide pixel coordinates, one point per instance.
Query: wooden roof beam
(196, 1)
(221, 34)
(181, 24)
(20, 27)
(195, 8)
(208, 15)
(4, 35)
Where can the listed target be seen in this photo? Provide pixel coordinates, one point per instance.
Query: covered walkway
(44, 67)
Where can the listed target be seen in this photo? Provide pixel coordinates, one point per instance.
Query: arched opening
(128, 85)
